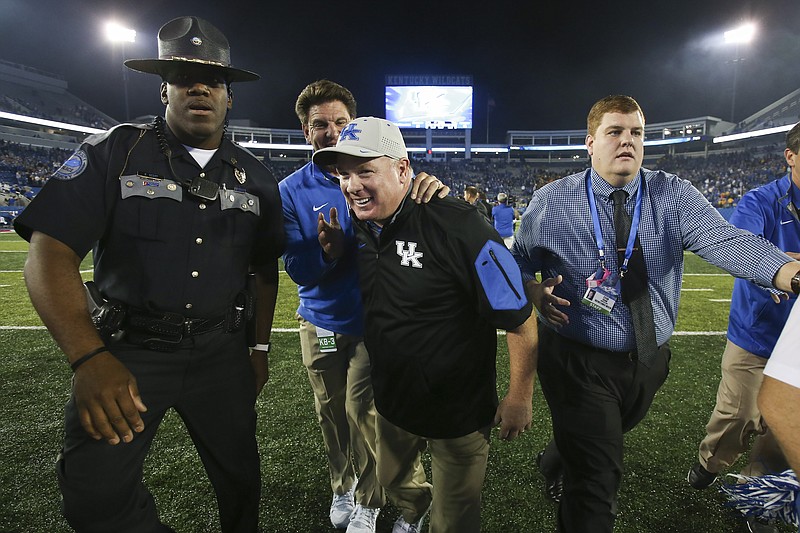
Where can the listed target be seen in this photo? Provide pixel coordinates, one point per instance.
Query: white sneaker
(342, 507)
(401, 526)
(363, 519)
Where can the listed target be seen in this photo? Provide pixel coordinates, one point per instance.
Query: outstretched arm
(542, 297)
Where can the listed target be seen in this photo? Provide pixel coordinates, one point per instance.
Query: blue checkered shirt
(556, 236)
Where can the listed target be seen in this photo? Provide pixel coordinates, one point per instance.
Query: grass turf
(295, 494)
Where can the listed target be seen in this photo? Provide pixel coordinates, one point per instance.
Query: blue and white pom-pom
(772, 498)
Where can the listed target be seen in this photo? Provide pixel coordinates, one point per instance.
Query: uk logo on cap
(349, 133)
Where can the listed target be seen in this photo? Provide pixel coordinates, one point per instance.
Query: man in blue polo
(503, 217)
(753, 328)
(330, 313)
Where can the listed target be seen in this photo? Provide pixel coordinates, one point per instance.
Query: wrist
(795, 283)
(82, 359)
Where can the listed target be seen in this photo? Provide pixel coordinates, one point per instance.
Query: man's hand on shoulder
(425, 186)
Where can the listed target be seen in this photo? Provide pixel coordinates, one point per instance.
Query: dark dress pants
(211, 385)
(595, 396)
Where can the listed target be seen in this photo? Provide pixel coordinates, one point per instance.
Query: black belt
(166, 332)
(170, 323)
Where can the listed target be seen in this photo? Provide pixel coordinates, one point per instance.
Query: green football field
(295, 495)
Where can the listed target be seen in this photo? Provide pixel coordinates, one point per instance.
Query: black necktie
(635, 293)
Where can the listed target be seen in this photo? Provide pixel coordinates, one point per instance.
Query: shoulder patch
(72, 167)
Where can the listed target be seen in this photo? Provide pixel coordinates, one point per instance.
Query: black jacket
(436, 285)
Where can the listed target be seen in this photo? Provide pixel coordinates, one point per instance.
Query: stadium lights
(120, 34)
(274, 146)
(741, 35)
(49, 123)
(117, 33)
(751, 134)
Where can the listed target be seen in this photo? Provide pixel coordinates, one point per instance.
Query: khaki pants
(458, 469)
(345, 411)
(736, 419)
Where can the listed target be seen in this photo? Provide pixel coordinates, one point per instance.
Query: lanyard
(598, 232)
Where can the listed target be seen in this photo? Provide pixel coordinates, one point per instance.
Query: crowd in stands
(75, 113)
(24, 169)
(723, 178)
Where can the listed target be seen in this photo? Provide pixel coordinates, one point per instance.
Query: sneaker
(342, 507)
(363, 519)
(401, 526)
(700, 478)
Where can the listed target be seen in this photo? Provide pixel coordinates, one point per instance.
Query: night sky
(542, 63)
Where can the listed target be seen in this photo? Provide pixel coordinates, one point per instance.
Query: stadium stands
(29, 153)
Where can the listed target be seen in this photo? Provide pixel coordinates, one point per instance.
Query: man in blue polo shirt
(753, 328)
(330, 311)
(503, 217)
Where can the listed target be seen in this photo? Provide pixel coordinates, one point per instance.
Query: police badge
(240, 174)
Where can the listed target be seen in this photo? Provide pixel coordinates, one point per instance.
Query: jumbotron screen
(429, 106)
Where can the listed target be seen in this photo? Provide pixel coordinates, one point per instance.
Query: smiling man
(330, 312)
(609, 243)
(177, 216)
(436, 282)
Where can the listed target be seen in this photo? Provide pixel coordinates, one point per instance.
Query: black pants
(211, 386)
(595, 396)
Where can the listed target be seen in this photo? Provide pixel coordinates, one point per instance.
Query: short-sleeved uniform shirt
(156, 246)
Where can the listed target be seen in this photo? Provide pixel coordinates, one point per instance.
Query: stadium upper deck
(29, 95)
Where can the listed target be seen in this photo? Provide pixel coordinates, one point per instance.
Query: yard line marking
(699, 333)
(295, 330)
(719, 300)
(12, 328)
(82, 271)
(697, 290)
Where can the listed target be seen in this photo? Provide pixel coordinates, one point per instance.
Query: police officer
(177, 216)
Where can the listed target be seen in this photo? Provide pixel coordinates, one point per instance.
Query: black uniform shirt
(436, 285)
(156, 246)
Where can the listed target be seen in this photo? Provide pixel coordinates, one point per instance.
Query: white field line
(82, 271)
(697, 290)
(295, 330)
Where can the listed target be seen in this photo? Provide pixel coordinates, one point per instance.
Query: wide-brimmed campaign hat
(191, 40)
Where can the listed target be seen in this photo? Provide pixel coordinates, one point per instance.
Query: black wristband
(796, 283)
(82, 359)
